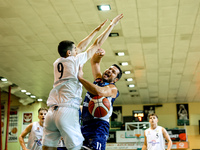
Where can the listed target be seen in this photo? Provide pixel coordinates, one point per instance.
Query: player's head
(153, 118)
(112, 74)
(42, 114)
(66, 48)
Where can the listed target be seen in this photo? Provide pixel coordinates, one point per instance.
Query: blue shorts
(96, 133)
(96, 143)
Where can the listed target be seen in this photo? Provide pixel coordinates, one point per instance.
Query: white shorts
(63, 122)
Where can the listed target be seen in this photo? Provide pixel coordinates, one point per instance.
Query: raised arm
(101, 39)
(23, 134)
(95, 63)
(167, 137)
(84, 43)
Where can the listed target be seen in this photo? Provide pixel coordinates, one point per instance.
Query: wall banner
(27, 118)
(2, 118)
(177, 134)
(13, 125)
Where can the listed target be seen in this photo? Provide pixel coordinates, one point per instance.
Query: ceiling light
(120, 53)
(124, 63)
(103, 7)
(127, 72)
(39, 99)
(33, 96)
(28, 93)
(23, 91)
(113, 34)
(131, 85)
(129, 79)
(3, 79)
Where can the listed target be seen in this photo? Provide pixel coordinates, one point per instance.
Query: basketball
(14, 130)
(99, 106)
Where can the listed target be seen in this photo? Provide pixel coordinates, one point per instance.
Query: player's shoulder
(148, 129)
(29, 127)
(81, 54)
(33, 123)
(162, 128)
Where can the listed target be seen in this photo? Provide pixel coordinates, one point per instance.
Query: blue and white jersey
(86, 116)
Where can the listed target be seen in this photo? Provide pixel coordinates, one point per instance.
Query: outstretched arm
(101, 39)
(95, 63)
(23, 134)
(84, 43)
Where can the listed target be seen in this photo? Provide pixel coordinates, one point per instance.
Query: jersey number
(60, 68)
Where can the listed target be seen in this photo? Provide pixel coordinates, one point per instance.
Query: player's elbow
(102, 92)
(99, 92)
(169, 140)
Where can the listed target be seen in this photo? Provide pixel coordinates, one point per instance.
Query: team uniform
(155, 139)
(64, 101)
(35, 137)
(96, 130)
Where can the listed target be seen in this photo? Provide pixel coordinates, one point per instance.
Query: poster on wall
(2, 118)
(13, 125)
(116, 118)
(27, 118)
(182, 114)
(148, 109)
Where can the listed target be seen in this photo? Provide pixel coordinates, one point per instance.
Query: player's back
(66, 84)
(65, 68)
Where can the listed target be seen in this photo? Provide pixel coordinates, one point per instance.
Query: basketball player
(65, 98)
(36, 131)
(154, 137)
(96, 130)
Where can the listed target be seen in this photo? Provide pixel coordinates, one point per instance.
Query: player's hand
(116, 19)
(101, 25)
(101, 52)
(80, 73)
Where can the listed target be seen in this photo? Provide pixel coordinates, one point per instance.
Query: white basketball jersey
(35, 136)
(155, 139)
(66, 83)
(67, 68)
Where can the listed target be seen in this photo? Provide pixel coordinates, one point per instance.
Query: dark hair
(42, 108)
(152, 114)
(120, 71)
(64, 46)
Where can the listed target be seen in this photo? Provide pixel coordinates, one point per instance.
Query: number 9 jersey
(66, 84)
(67, 68)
